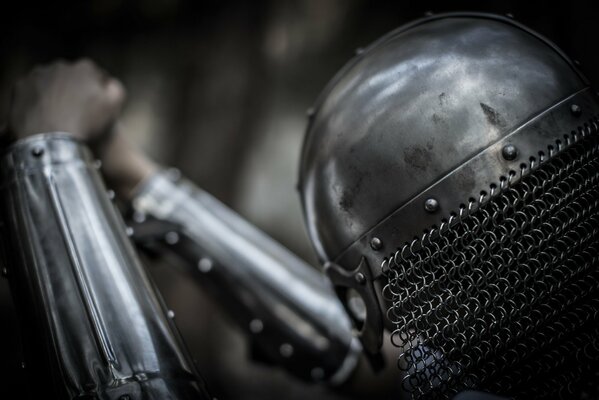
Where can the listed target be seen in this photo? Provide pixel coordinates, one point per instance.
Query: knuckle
(84, 61)
(61, 63)
(114, 94)
(38, 70)
(87, 64)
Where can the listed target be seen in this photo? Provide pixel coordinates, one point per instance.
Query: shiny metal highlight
(413, 107)
(93, 325)
(288, 308)
(420, 124)
(504, 295)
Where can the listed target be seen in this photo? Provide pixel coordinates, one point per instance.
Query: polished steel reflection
(93, 325)
(411, 108)
(457, 158)
(290, 310)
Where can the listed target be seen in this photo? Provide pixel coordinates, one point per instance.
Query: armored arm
(287, 307)
(93, 324)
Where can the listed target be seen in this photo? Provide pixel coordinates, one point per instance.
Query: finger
(90, 65)
(87, 66)
(85, 63)
(114, 92)
(60, 62)
(105, 76)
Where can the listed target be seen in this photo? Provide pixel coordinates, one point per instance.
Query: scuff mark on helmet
(492, 115)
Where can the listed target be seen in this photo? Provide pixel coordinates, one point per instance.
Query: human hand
(78, 98)
(81, 99)
(124, 165)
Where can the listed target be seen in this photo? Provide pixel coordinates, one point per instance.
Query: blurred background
(219, 89)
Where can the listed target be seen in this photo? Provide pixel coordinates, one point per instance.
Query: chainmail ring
(503, 296)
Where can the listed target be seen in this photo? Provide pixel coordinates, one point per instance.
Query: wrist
(124, 166)
(9, 139)
(43, 149)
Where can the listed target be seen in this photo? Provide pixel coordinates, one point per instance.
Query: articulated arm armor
(289, 309)
(93, 324)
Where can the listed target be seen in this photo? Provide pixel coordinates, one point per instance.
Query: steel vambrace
(93, 324)
(288, 308)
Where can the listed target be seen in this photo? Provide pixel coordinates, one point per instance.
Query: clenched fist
(78, 98)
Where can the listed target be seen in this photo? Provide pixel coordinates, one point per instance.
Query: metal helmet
(449, 178)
